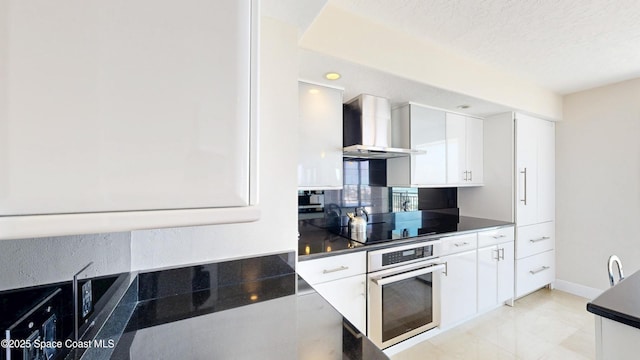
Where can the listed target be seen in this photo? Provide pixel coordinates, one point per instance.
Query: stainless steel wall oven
(403, 285)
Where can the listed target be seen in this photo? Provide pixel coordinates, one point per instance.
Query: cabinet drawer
(459, 243)
(333, 267)
(535, 239)
(535, 272)
(497, 236)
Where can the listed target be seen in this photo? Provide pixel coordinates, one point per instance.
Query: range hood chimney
(367, 129)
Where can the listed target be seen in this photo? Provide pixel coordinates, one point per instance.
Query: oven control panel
(400, 256)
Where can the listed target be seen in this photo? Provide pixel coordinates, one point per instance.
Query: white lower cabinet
(496, 260)
(535, 272)
(341, 280)
(506, 270)
(458, 288)
(535, 257)
(348, 296)
(535, 239)
(495, 275)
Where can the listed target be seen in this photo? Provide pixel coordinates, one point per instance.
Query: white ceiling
(300, 13)
(358, 79)
(562, 45)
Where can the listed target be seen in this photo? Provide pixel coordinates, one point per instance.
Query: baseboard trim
(577, 289)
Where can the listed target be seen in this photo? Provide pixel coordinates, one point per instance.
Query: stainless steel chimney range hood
(367, 129)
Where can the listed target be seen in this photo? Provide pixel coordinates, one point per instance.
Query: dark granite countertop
(325, 237)
(620, 303)
(254, 308)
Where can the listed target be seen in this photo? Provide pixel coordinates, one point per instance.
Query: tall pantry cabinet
(520, 187)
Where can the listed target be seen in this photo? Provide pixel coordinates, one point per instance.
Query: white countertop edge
(30, 226)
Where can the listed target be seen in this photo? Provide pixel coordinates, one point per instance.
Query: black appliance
(35, 335)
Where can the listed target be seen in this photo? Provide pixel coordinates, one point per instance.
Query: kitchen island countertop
(620, 303)
(256, 308)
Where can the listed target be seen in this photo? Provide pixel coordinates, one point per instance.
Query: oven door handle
(380, 281)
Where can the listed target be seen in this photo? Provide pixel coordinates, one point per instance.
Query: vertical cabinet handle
(470, 175)
(525, 186)
(499, 254)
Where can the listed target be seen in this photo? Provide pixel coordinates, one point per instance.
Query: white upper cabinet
(535, 184)
(320, 137)
(464, 137)
(419, 128)
(119, 106)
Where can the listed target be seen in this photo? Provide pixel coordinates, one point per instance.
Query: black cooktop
(403, 225)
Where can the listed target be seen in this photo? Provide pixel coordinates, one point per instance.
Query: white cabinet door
(535, 157)
(458, 288)
(420, 128)
(348, 296)
(456, 149)
(320, 137)
(465, 141)
(341, 280)
(428, 133)
(475, 143)
(546, 171)
(495, 275)
(527, 170)
(118, 108)
(487, 277)
(506, 271)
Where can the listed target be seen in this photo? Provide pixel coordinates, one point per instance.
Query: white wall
(277, 228)
(598, 183)
(354, 38)
(30, 262)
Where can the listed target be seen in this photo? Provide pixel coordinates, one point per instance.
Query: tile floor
(548, 324)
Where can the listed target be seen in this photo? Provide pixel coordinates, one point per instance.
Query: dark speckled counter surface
(322, 237)
(620, 303)
(255, 308)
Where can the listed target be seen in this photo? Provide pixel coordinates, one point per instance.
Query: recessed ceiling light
(332, 76)
(314, 91)
(464, 106)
